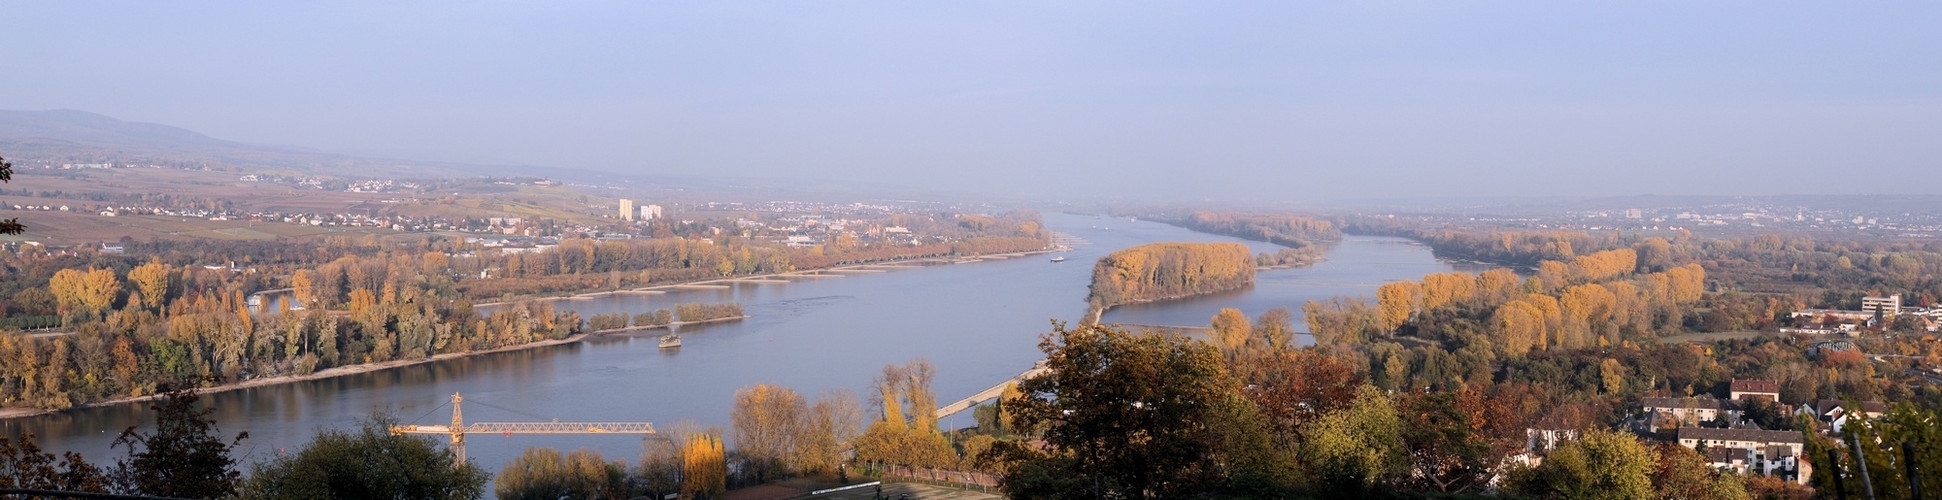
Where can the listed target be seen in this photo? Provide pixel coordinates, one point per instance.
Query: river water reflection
(979, 323)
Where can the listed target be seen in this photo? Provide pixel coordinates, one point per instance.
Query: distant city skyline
(1207, 101)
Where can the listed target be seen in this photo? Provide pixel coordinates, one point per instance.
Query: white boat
(1060, 258)
(670, 341)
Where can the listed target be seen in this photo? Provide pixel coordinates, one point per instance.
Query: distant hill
(81, 127)
(69, 136)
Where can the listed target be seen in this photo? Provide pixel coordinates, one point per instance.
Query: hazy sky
(1275, 100)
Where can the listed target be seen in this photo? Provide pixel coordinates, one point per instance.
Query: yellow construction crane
(459, 429)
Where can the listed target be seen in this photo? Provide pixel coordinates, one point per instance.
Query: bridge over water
(992, 393)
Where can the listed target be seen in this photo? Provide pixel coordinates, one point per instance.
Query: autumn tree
(1273, 330)
(1128, 413)
(1164, 270)
(151, 280)
(91, 292)
(545, 474)
(1342, 320)
(1456, 441)
(827, 431)
(1295, 387)
(906, 432)
(767, 421)
(1231, 329)
(704, 469)
(304, 290)
(1516, 327)
(1444, 289)
(1397, 301)
(1681, 472)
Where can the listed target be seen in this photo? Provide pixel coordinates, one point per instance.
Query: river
(979, 323)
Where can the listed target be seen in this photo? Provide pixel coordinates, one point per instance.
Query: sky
(1282, 101)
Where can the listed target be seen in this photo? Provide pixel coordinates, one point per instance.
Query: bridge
(459, 428)
(992, 393)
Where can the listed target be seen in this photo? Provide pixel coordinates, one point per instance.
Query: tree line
(1292, 231)
(690, 312)
(1157, 271)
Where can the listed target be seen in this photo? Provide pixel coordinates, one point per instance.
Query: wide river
(979, 323)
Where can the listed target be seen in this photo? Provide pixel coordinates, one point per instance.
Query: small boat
(670, 341)
(1060, 258)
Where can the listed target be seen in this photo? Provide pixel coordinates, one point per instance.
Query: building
(1691, 411)
(1745, 390)
(651, 212)
(1835, 413)
(1767, 452)
(1538, 442)
(627, 209)
(1887, 306)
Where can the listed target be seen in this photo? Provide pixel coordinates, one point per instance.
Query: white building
(651, 212)
(1889, 306)
(1772, 453)
(1691, 411)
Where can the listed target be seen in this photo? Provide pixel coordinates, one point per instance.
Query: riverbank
(779, 278)
(8, 413)
(630, 329)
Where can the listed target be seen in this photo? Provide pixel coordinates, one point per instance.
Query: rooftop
(1757, 436)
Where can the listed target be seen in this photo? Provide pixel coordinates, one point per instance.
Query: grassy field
(476, 200)
(65, 228)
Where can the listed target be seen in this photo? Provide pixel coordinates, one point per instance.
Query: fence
(982, 481)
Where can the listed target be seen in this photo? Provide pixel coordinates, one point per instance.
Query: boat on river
(1060, 258)
(670, 341)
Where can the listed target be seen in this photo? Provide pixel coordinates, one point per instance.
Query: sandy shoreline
(8, 413)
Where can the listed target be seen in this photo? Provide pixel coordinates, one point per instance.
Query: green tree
(182, 458)
(370, 462)
(1358, 448)
(1130, 414)
(1601, 465)
(12, 224)
(23, 465)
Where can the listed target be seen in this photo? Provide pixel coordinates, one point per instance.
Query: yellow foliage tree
(1231, 329)
(1687, 282)
(152, 281)
(1497, 286)
(362, 299)
(92, 291)
(1443, 289)
(1518, 326)
(704, 467)
(1397, 301)
(302, 288)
